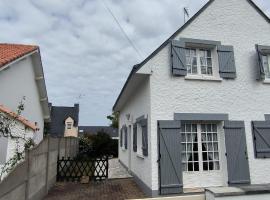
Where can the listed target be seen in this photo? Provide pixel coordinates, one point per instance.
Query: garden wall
(32, 179)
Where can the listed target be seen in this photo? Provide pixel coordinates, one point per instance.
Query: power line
(122, 30)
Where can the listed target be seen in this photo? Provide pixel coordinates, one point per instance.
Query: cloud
(86, 58)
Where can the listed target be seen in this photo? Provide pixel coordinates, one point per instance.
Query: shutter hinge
(226, 154)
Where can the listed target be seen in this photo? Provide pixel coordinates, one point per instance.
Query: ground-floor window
(200, 147)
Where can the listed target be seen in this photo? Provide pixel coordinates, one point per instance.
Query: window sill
(202, 172)
(140, 156)
(202, 78)
(266, 81)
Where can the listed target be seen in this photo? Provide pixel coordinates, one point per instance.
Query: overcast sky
(86, 58)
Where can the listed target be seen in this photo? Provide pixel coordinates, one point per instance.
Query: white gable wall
(233, 22)
(137, 106)
(16, 81)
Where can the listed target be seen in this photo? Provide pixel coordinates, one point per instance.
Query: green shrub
(99, 145)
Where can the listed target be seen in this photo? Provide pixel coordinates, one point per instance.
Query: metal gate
(73, 170)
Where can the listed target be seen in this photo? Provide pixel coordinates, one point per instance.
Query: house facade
(21, 75)
(64, 121)
(194, 114)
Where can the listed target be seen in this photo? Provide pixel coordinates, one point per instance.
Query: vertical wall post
(28, 160)
(47, 165)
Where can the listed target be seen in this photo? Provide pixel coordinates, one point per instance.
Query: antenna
(186, 14)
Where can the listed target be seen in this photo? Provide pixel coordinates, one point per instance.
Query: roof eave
(41, 87)
(137, 67)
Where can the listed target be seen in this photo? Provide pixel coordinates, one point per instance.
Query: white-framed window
(69, 125)
(199, 61)
(139, 140)
(266, 66)
(200, 147)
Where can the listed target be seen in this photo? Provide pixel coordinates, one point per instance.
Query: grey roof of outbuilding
(58, 116)
(138, 66)
(93, 130)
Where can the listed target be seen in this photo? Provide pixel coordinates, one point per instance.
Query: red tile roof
(18, 117)
(11, 52)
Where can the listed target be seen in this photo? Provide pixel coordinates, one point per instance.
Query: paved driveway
(114, 189)
(116, 170)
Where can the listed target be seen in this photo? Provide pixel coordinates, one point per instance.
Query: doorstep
(238, 192)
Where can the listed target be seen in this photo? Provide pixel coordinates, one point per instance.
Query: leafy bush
(97, 146)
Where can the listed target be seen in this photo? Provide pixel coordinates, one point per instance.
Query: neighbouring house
(194, 114)
(19, 127)
(64, 121)
(93, 130)
(21, 75)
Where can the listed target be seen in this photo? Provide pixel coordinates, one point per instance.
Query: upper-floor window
(69, 125)
(199, 62)
(266, 65)
(202, 59)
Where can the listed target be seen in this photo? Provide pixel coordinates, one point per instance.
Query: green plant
(7, 123)
(98, 145)
(114, 118)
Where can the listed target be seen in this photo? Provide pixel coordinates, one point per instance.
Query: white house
(21, 75)
(194, 113)
(20, 128)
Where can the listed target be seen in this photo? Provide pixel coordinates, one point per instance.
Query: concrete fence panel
(32, 179)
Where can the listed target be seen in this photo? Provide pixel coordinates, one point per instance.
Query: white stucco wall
(18, 129)
(233, 22)
(137, 106)
(16, 81)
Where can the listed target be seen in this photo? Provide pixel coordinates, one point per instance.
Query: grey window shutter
(170, 166)
(178, 54)
(260, 69)
(236, 151)
(267, 117)
(121, 137)
(226, 62)
(261, 138)
(135, 137)
(126, 137)
(143, 124)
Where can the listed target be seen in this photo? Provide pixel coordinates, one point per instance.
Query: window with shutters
(200, 147)
(139, 141)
